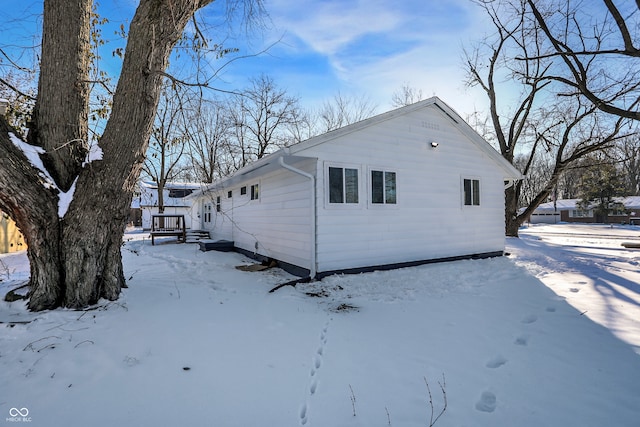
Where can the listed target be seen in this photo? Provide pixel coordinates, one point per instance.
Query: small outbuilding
(175, 201)
(410, 186)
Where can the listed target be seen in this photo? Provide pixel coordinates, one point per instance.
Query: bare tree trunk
(98, 215)
(60, 119)
(76, 260)
(34, 208)
(512, 224)
(92, 239)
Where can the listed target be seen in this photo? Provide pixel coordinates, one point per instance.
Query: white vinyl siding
(215, 219)
(279, 226)
(427, 221)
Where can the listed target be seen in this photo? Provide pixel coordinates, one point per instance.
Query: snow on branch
(32, 153)
(95, 153)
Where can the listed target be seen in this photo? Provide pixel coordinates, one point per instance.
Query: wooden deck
(168, 225)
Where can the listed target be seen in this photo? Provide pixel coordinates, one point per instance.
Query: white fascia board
(257, 169)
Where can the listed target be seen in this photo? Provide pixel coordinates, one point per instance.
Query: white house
(175, 200)
(409, 186)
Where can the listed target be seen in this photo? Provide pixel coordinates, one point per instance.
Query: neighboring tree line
(202, 139)
(562, 80)
(618, 169)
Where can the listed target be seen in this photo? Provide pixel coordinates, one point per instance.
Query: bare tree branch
(16, 90)
(581, 79)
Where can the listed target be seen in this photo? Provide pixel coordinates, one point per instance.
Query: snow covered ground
(548, 336)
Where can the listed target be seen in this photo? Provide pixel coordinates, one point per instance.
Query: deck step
(195, 236)
(631, 245)
(216, 245)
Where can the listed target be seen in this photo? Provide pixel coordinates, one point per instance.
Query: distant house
(567, 210)
(175, 200)
(11, 240)
(409, 186)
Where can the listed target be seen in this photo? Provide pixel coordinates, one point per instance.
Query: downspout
(312, 181)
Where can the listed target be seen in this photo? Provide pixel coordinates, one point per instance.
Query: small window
(207, 212)
(243, 191)
(343, 185)
(254, 192)
(581, 213)
(178, 193)
(383, 187)
(229, 194)
(471, 192)
(218, 204)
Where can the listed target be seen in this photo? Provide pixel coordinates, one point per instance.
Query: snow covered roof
(630, 202)
(149, 194)
(172, 185)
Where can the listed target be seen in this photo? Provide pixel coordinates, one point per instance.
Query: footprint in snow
(574, 290)
(529, 319)
(551, 309)
(522, 340)
(496, 362)
(487, 402)
(313, 374)
(323, 335)
(303, 414)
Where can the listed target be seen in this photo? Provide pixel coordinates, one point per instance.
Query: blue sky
(370, 48)
(356, 47)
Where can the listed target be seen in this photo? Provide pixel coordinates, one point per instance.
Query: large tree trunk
(512, 222)
(60, 119)
(513, 219)
(34, 208)
(76, 260)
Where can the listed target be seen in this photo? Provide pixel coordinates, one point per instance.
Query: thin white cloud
(395, 39)
(373, 47)
(432, 72)
(327, 27)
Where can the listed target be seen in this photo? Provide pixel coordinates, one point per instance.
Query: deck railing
(168, 225)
